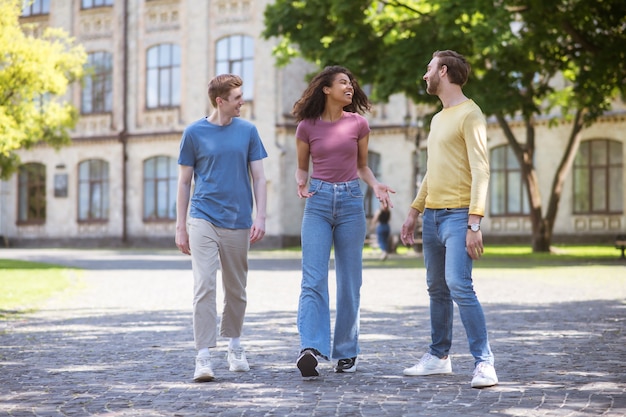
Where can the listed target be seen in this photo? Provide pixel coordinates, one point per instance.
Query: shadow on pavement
(561, 357)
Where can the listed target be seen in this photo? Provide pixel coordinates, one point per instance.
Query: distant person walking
(452, 198)
(383, 230)
(332, 134)
(220, 153)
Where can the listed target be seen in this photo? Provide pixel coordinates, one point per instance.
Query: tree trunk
(562, 172)
(542, 227)
(540, 239)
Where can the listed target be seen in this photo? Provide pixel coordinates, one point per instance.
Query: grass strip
(25, 285)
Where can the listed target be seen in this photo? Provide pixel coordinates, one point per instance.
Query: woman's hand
(382, 192)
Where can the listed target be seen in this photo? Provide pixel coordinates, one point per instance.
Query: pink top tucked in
(334, 145)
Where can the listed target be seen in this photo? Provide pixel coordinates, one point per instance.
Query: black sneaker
(346, 365)
(307, 362)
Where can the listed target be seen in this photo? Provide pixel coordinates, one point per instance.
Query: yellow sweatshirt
(457, 169)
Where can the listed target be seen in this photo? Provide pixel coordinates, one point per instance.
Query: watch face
(475, 227)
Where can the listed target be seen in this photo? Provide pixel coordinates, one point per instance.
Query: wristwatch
(474, 227)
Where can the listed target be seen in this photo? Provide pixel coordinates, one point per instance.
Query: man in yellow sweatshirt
(452, 199)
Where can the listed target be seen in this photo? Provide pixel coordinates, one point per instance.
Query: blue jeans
(449, 278)
(382, 233)
(333, 216)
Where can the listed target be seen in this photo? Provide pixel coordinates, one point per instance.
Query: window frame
(98, 191)
(42, 6)
(93, 5)
(100, 91)
(505, 173)
(597, 171)
(31, 191)
(152, 184)
(166, 76)
(234, 54)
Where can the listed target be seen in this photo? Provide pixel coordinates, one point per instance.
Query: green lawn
(512, 256)
(24, 285)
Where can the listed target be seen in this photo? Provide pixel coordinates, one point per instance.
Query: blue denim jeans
(449, 278)
(382, 235)
(333, 216)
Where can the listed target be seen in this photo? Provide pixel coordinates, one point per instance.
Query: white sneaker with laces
(484, 375)
(237, 360)
(204, 372)
(430, 365)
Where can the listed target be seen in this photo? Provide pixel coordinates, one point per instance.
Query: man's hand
(257, 231)
(408, 227)
(182, 241)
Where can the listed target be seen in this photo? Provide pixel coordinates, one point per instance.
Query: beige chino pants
(211, 246)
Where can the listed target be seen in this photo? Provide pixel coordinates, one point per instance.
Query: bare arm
(185, 174)
(302, 171)
(365, 173)
(259, 184)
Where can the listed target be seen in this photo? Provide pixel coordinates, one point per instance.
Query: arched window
(93, 190)
(163, 76)
(508, 196)
(159, 188)
(31, 190)
(97, 93)
(235, 55)
(598, 178)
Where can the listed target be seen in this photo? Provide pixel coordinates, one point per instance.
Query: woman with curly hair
(333, 135)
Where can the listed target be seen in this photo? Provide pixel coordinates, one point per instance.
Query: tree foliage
(531, 59)
(34, 76)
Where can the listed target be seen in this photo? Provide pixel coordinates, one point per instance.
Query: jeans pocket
(314, 186)
(355, 190)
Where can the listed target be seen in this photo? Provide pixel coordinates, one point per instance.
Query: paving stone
(121, 344)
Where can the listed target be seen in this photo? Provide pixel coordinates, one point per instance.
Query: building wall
(196, 27)
(550, 143)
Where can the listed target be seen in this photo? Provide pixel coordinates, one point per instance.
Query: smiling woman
(27, 284)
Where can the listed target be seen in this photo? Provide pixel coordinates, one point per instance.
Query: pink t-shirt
(334, 145)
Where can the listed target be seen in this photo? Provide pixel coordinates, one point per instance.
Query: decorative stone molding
(233, 11)
(160, 120)
(91, 125)
(162, 16)
(35, 26)
(96, 229)
(28, 231)
(597, 223)
(510, 225)
(96, 23)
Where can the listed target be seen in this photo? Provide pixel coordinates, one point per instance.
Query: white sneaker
(237, 360)
(204, 372)
(484, 375)
(430, 365)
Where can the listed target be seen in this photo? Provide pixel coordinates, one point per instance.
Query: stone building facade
(151, 61)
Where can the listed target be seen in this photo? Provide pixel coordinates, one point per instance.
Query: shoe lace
(204, 361)
(426, 358)
(481, 369)
(237, 353)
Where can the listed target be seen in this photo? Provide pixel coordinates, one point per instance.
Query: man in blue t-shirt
(220, 153)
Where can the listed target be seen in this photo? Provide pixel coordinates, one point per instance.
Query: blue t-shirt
(220, 157)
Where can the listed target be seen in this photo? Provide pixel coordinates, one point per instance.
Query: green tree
(518, 49)
(34, 76)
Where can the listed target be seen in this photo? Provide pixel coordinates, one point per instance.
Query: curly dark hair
(311, 104)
